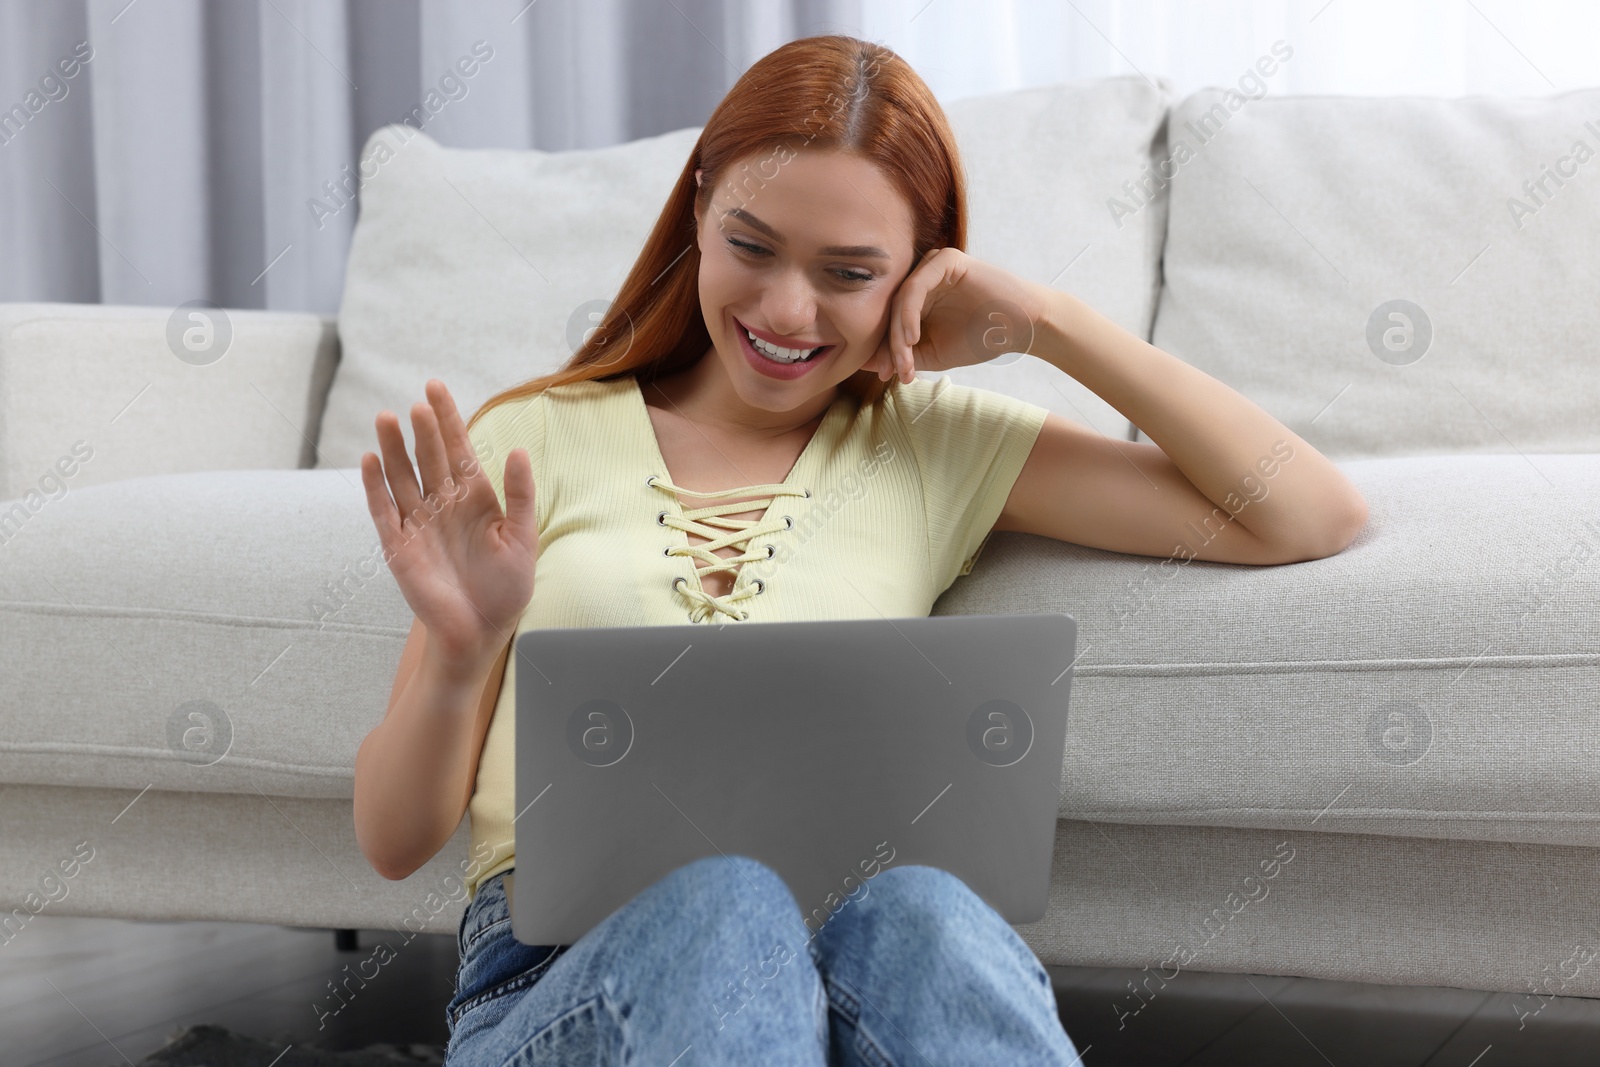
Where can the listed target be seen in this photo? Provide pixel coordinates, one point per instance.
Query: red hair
(824, 93)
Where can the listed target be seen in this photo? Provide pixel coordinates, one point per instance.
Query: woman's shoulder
(587, 392)
(521, 408)
(926, 403)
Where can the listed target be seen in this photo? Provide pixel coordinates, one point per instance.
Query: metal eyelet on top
(771, 551)
(667, 551)
(808, 494)
(660, 517)
(789, 523)
(650, 480)
(761, 587)
(678, 581)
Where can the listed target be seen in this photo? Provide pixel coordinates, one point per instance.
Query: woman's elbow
(1340, 535)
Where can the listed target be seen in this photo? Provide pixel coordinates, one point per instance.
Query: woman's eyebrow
(862, 251)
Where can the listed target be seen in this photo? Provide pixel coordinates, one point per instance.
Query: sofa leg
(345, 940)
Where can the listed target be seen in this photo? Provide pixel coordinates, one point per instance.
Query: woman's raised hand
(465, 567)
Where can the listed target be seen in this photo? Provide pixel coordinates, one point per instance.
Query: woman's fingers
(379, 504)
(461, 457)
(908, 304)
(431, 461)
(444, 454)
(397, 465)
(882, 361)
(907, 361)
(520, 491)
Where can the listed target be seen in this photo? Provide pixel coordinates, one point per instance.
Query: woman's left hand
(954, 310)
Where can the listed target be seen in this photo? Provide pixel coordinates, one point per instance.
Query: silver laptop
(829, 750)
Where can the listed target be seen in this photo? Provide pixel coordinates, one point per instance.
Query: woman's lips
(771, 368)
(824, 348)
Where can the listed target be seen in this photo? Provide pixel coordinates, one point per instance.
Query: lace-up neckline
(712, 521)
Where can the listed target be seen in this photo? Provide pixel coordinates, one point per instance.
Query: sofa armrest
(94, 393)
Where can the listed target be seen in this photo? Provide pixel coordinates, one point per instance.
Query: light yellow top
(883, 510)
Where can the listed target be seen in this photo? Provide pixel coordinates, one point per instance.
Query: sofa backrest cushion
(1391, 276)
(1042, 165)
(466, 264)
(469, 264)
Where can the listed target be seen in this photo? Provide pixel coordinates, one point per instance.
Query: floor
(80, 992)
(1241, 1020)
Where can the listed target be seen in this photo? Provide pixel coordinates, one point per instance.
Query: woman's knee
(736, 880)
(723, 896)
(915, 887)
(722, 930)
(926, 902)
(922, 912)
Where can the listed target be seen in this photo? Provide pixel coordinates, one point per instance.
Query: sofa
(1381, 766)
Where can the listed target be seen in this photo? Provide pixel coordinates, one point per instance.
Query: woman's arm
(466, 566)
(416, 769)
(1211, 433)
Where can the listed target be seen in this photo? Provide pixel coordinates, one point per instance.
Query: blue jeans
(715, 960)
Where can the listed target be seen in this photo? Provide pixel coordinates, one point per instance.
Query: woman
(808, 261)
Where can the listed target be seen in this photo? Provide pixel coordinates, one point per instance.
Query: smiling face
(796, 259)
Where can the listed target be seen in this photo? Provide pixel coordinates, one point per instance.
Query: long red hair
(831, 92)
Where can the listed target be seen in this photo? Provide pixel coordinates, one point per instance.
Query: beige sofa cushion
(1297, 220)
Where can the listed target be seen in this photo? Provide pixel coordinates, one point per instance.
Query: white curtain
(205, 149)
